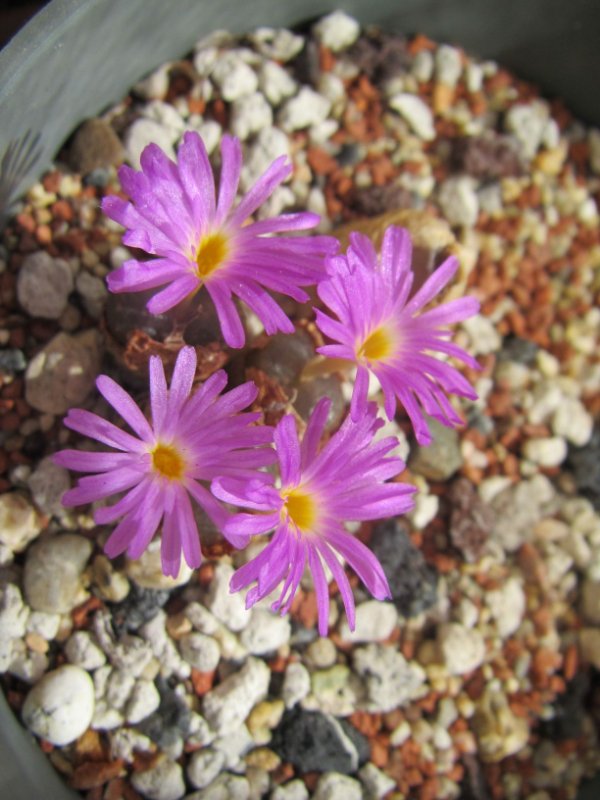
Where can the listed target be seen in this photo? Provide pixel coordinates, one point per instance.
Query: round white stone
(60, 707)
(462, 649)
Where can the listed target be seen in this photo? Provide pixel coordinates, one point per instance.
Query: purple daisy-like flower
(200, 239)
(384, 331)
(319, 489)
(193, 438)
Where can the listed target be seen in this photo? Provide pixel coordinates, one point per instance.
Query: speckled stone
(52, 579)
(59, 708)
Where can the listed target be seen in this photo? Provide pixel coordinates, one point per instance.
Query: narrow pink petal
(122, 402)
(173, 295)
(288, 451)
(181, 382)
(197, 178)
(97, 487)
(298, 221)
(231, 324)
(90, 424)
(261, 190)
(314, 431)
(341, 579)
(134, 498)
(433, 285)
(358, 404)
(362, 561)
(89, 461)
(231, 165)
(158, 393)
(121, 537)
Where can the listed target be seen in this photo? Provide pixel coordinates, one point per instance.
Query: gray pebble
(44, 285)
(62, 375)
(164, 781)
(227, 706)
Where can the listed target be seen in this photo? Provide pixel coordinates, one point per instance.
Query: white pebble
(462, 649)
(250, 114)
(233, 76)
(13, 613)
(227, 607)
(459, 201)
(375, 621)
(422, 66)
(528, 122)
(334, 786)
(306, 108)
(507, 605)
(60, 706)
(448, 65)
(265, 632)
(296, 684)
(19, 521)
(547, 451)
(144, 132)
(376, 783)
(204, 766)
(275, 82)
(337, 31)
(227, 706)
(416, 112)
(572, 421)
(279, 44)
(200, 651)
(483, 336)
(143, 701)
(82, 650)
(164, 781)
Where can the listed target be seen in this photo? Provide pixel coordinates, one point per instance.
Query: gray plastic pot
(77, 56)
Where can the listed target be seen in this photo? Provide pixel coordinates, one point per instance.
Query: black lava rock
(317, 742)
(520, 350)
(171, 721)
(140, 606)
(569, 710)
(413, 583)
(585, 464)
(12, 360)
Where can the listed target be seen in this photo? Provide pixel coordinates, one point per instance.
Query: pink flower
(200, 239)
(319, 489)
(387, 334)
(193, 438)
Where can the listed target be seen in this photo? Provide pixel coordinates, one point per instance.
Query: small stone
(448, 64)
(471, 520)
(442, 458)
(144, 132)
(44, 285)
(93, 292)
(234, 77)
(321, 653)
(47, 483)
(303, 110)
(83, 651)
(333, 786)
(462, 649)
(250, 114)
(590, 601)
(263, 758)
(296, 683)
(484, 337)
(63, 373)
(234, 746)
(275, 83)
(147, 572)
(156, 85)
(390, 680)
(229, 608)
(337, 31)
(416, 112)
(52, 578)
(293, 790)
(13, 613)
(143, 701)
(313, 741)
(263, 718)
(507, 605)
(458, 199)
(548, 451)
(585, 464)
(518, 509)
(60, 707)
(573, 422)
(201, 652)
(12, 360)
(225, 787)
(376, 784)
(204, 766)
(95, 145)
(499, 732)
(278, 44)
(266, 632)
(589, 642)
(111, 584)
(20, 523)
(528, 123)
(164, 781)
(227, 706)
(375, 621)
(413, 583)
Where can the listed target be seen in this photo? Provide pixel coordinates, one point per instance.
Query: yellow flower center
(378, 345)
(212, 252)
(167, 461)
(301, 509)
